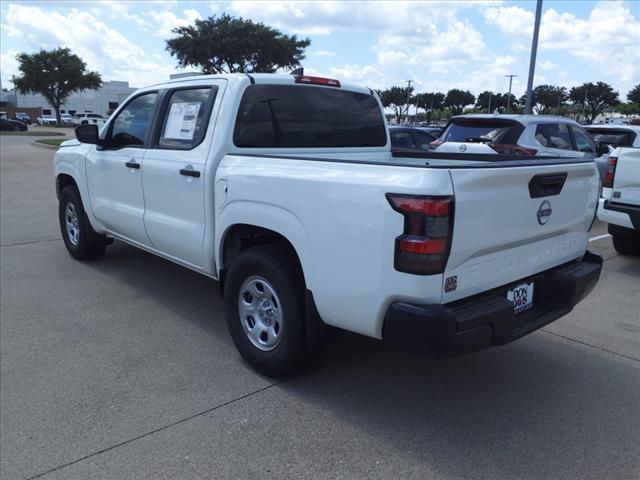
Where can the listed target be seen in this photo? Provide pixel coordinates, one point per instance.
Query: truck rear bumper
(487, 318)
(620, 214)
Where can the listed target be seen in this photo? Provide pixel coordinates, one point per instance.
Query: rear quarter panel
(343, 229)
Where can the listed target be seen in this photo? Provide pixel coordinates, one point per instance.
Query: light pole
(408, 95)
(509, 95)
(534, 51)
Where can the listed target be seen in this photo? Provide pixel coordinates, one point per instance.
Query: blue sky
(439, 44)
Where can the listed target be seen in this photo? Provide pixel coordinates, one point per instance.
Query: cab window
(131, 126)
(185, 118)
(583, 142)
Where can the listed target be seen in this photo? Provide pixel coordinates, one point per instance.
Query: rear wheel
(626, 241)
(81, 240)
(265, 310)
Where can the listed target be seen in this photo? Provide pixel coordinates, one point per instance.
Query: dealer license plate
(521, 296)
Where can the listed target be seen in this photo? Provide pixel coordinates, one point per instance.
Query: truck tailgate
(511, 222)
(626, 184)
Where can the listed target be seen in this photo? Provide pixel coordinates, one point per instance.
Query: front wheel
(81, 240)
(265, 310)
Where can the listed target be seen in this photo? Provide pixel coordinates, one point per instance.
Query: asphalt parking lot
(123, 368)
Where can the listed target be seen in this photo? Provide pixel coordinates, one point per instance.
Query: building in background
(103, 101)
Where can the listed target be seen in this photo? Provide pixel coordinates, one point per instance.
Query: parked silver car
(520, 134)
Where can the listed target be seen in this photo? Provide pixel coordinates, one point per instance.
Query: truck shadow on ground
(543, 407)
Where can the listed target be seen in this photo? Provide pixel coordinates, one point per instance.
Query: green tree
(546, 97)
(226, 45)
(396, 99)
(634, 94)
(488, 102)
(456, 100)
(54, 74)
(594, 97)
(429, 102)
(629, 108)
(634, 100)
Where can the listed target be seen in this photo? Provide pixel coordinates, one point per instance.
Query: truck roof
(259, 78)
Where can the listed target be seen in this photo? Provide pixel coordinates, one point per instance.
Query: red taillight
(423, 247)
(609, 175)
(329, 82)
(511, 149)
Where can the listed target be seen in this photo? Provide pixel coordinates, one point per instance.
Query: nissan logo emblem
(544, 212)
(463, 148)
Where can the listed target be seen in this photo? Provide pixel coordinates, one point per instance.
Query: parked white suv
(46, 120)
(521, 134)
(619, 206)
(285, 190)
(88, 119)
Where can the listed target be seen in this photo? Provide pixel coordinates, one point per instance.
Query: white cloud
(420, 41)
(608, 40)
(324, 53)
(103, 48)
(165, 21)
(8, 66)
(547, 65)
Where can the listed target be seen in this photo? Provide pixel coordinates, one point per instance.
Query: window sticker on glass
(181, 123)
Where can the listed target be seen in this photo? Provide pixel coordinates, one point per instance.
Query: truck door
(175, 179)
(114, 170)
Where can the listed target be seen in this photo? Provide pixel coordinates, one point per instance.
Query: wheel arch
(241, 236)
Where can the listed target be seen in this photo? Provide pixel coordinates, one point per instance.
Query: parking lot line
(600, 237)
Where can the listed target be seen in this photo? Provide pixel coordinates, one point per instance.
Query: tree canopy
(54, 74)
(396, 99)
(595, 97)
(226, 44)
(634, 94)
(456, 100)
(546, 97)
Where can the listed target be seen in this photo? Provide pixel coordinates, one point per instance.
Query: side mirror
(602, 148)
(87, 134)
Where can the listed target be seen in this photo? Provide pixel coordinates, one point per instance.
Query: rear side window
(480, 130)
(186, 116)
(583, 142)
(616, 138)
(402, 140)
(299, 116)
(554, 135)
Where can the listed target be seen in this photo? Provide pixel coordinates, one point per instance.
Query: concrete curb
(44, 145)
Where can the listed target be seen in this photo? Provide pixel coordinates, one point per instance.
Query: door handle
(132, 164)
(189, 173)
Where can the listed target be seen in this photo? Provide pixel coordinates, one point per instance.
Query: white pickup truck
(620, 202)
(285, 190)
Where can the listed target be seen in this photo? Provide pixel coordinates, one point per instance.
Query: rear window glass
(616, 138)
(476, 130)
(554, 135)
(298, 116)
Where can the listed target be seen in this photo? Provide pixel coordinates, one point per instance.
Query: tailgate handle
(546, 185)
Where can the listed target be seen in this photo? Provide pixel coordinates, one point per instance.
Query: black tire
(280, 269)
(89, 245)
(626, 241)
